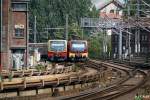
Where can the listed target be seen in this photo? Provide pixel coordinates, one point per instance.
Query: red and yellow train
(57, 50)
(77, 50)
(61, 50)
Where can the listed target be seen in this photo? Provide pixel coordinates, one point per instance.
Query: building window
(19, 6)
(142, 37)
(145, 37)
(19, 32)
(116, 38)
(116, 49)
(112, 11)
(145, 51)
(142, 50)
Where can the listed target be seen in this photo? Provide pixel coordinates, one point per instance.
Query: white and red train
(62, 50)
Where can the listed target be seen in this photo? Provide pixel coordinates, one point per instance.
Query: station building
(139, 39)
(141, 48)
(14, 34)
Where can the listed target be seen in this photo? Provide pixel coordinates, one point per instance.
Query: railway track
(110, 92)
(116, 88)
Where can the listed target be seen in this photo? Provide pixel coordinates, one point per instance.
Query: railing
(113, 23)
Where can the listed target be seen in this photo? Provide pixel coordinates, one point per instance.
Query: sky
(100, 2)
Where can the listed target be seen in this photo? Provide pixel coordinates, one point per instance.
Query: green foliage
(95, 47)
(10, 77)
(75, 31)
(40, 68)
(52, 13)
(76, 68)
(94, 13)
(1, 78)
(109, 52)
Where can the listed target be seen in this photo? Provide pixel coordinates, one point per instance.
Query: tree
(95, 45)
(52, 13)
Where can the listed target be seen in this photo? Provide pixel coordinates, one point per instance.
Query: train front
(57, 50)
(78, 50)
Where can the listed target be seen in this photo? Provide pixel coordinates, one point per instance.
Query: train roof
(78, 40)
(57, 40)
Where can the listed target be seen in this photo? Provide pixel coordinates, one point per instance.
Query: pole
(27, 51)
(138, 29)
(129, 36)
(100, 53)
(120, 45)
(138, 8)
(1, 26)
(103, 46)
(66, 26)
(35, 41)
(82, 34)
(1, 38)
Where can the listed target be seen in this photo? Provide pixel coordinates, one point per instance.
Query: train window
(57, 45)
(78, 46)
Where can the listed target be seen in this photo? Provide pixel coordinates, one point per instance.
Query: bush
(1, 78)
(40, 68)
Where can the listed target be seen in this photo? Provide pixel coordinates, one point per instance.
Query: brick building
(14, 34)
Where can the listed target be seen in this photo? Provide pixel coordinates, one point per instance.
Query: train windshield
(78, 46)
(57, 45)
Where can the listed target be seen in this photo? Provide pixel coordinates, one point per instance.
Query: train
(62, 50)
(57, 50)
(77, 50)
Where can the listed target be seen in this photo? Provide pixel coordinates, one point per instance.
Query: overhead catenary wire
(138, 24)
(145, 3)
(146, 13)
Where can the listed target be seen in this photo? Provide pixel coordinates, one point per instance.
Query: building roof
(20, 0)
(116, 2)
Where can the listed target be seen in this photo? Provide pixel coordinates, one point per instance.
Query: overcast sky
(101, 2)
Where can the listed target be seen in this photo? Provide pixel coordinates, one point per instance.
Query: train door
(17, 58)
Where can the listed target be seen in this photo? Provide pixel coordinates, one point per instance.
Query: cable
(145, 3)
